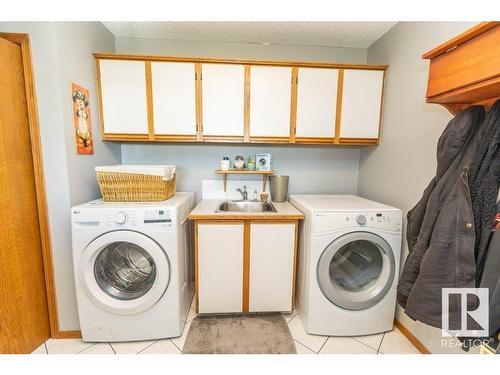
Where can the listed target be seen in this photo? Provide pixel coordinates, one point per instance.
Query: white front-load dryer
(348, 264)
(133, 268)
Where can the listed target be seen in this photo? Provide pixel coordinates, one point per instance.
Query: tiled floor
(389, 343)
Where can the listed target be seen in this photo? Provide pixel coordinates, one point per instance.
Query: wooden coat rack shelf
(466, 69)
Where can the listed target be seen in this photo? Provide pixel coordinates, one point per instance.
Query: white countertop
(205, 210)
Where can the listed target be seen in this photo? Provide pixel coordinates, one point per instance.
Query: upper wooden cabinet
(175, 99)
(123, 98)
(223, 101)
(361, 105)
(270, 102)
(173, 88)
(317, 91)
(465, 70)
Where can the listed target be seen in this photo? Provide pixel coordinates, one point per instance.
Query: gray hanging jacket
(484, 180)
(440, 229)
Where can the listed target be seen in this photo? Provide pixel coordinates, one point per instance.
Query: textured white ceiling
(330, 34)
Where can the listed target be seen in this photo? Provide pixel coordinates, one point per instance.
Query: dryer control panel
(332, 221)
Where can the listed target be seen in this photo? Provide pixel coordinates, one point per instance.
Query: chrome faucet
(243, 192)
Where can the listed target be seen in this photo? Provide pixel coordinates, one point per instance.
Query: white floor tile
(372, 341)
(162, 347)
(301, 349)
(345, 345)
(395, 342)
(100, 348)
(289, 316)
(40, 350)
(191, 315)
(132, 347)
(66, 346)
(313, 342)
(179, 341)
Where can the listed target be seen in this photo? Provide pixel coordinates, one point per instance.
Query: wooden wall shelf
(243, 171)
(466, 69)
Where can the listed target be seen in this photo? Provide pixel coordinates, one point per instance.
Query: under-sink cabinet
(176, 99)
(245, 265)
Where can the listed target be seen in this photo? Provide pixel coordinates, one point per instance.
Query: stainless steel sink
(245, 206)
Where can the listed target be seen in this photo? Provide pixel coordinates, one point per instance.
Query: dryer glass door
(356, 270)
(124, 272)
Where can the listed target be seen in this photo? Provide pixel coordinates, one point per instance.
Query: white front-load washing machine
(133, 268)
(348, 264)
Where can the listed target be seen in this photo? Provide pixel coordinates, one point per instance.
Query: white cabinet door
(174, 98)
(272, 251)
(270, 101)
(361, 100)
(223, 88)
(220, 267)
(316, 102)
(123, 96)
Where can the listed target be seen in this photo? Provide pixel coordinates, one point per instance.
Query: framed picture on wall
(81, 120)
(263, 162)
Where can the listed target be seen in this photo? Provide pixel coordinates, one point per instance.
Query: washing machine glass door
(356, 270)
(124, 272)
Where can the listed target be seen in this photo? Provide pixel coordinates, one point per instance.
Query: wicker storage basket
(134, 187)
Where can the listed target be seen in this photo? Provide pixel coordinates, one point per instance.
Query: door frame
(23, 40)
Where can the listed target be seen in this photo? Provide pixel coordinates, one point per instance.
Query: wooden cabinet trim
(314, 140)
(196, 276)
(208, 60)
(246, 109)
(149, 101)
(294, 277)
(269, 140)
(99, 99)
(338, 112)
(199, 102)
(175, 138)
(353, 141)
(293, 104)
(246, 266)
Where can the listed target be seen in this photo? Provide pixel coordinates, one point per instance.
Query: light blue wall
(311, 169)
(193, 48)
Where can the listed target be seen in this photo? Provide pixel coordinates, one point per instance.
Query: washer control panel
(158, 216)
(154, 217)
(331, 221)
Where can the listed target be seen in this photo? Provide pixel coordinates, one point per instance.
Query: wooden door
(220, 267)
(270, 100)
(316, 103)
(24, 317)
(174, 99)
(124, 107)
(223, 87)
(272, 262)
(361, 104)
